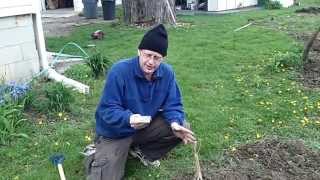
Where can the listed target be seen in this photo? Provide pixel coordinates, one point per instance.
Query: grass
(231, 96)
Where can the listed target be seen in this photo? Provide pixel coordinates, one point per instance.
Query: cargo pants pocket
(95, 169)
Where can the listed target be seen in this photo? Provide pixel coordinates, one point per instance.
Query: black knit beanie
(156, 40)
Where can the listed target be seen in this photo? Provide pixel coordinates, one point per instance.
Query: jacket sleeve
(111, 109)
(173, 107)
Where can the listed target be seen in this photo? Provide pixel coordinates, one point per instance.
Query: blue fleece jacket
(128, 92)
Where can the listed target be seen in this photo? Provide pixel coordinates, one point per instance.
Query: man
(140, 111)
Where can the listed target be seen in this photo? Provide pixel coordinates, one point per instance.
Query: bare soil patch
(311, 70)
(63, 26)
(312, 10)
(268, 159)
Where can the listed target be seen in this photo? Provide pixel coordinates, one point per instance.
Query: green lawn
(233, 93)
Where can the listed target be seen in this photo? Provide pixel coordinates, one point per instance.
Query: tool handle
(61, 172)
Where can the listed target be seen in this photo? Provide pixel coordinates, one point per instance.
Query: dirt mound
(312, 10)
(311, 69)
(270, 159)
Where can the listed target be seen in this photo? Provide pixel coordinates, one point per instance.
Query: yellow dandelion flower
(233, 149)
(60, 114)
(226, 137)
(306, 119)
(40, 122)
(65, 118)
(294, 112)
(258, 136)
(56, 143)
(88, 138)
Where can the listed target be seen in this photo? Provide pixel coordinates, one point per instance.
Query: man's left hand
(183, 133)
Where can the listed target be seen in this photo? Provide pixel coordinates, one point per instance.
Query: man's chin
(149, 72)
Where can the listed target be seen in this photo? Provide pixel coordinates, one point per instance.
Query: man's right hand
(186, 135)
(138, 122)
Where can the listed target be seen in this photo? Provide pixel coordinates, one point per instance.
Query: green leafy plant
(79, 72)
(287, 60)
(60, 97)
(11, 117)
(98, 64)
(49, 97)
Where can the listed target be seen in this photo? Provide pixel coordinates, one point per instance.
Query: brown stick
(198, 174)
(309, 45)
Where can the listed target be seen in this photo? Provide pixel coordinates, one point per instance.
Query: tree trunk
(148, 11)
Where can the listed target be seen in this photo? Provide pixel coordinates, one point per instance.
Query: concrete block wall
(18, 52)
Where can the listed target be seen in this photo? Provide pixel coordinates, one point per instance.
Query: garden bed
(266, 159)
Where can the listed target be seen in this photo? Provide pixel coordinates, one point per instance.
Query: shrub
(98, 64)
(273, 5)
(270, 4)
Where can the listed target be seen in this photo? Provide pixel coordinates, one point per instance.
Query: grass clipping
(198, 174)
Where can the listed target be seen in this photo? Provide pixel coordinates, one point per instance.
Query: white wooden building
(223, 5)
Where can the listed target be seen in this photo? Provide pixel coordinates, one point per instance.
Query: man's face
(149, 61)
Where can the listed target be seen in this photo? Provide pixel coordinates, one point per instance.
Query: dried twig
(198, 174)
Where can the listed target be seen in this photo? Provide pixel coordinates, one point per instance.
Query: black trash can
(109, 9)
(90, 9)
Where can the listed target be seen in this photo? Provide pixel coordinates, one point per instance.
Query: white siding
(222, 5)
(16, 7)
(286, 3)
(18, 52)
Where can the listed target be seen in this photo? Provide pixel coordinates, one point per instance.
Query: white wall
(20, 33)
(16, 7)
(222, 5)
(286, 3)
(18, 52)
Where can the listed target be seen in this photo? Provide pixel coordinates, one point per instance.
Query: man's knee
(108, 162)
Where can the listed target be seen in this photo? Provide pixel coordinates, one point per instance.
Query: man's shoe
(89, 150)
(146, 162)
